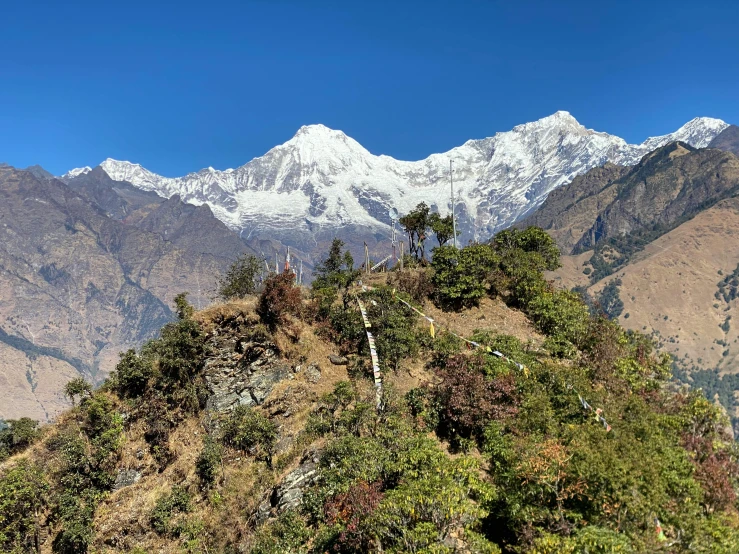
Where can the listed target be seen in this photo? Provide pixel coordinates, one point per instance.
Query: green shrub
(247, 429)
(89, 456)
(177, 501)
(531, 240)
(560, 347)
(461, 276)
(183, 308)
(77, 387)
(336, 271)
(17, 436)
(131, 375)
(23, 490)
(208, 463)
(560, 314)
(347, 328)
(521, 276)
(425, 509)
(241, 278)
(393, 326)
(180, 351)
(288, 534)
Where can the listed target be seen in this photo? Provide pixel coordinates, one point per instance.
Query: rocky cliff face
(88, 269)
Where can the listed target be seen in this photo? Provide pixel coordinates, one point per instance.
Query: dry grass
(122, 520)
(492, 314)
(669, 288)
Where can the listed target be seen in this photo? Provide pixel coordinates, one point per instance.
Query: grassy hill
(254, 426)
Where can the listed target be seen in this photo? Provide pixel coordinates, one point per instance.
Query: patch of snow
(76, 172)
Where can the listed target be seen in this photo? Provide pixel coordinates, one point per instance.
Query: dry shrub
(279, 299)
(416, 282)
(468, 400)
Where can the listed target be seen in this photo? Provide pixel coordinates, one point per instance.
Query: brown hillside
(80, 283)
(669, 288)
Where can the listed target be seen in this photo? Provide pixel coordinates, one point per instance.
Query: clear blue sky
(178, 86)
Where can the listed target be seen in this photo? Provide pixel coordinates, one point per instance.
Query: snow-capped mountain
(323, 182)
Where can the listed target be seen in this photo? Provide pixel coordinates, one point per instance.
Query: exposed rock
(313, 372)
(338, 360)
(263, 511)
(126, 478)
(242, 372)
(289, 493)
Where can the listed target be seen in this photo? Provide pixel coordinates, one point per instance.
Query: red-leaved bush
(278, 299)
(468, 399)
(716, 471)
(351, 509)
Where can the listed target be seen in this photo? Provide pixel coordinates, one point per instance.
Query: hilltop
(504, 418)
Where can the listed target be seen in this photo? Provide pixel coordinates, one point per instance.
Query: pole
(454, 219)
(402, 244)
(394, 242)
(366, 259)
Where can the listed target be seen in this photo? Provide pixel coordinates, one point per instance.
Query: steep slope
(322, 182)
(670, 289)
(78, 286)
(727, 140)
(667, 230)
(242, 438)
(568, 212)
(615, 206)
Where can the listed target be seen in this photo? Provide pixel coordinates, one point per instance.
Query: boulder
(126, 478)
(313, 373)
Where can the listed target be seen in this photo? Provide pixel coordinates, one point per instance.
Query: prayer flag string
(373, 355)
(525, 370)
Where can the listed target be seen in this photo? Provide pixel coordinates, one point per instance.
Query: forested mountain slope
(519, 424)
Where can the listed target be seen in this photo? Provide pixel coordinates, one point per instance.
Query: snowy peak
(76, 172)
(322, 182)
(560, 120)
(133, 173)
(698, 132)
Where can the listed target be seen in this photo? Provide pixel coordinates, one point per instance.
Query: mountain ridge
(89, 268)
(321, 179)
